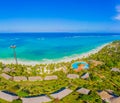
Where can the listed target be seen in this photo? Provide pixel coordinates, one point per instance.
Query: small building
(115, 69)
(6, 70)
(6, 76)
(109, 91)
(37, 99)
(85, 76)
(83, 91)
(72, 76)
(8, 96)
(61, 93)
(19, 78)
(105, 96)
(35, 78)
(114, 100)
(53, 77)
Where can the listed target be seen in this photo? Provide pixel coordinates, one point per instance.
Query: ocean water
(51, 46)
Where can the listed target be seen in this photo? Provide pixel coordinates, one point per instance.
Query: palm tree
(13, 47)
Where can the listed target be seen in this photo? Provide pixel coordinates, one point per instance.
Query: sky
(60, 16)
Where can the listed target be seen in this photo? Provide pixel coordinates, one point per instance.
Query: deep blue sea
(51, 46)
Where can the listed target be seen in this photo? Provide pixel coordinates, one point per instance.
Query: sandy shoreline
(47, 61)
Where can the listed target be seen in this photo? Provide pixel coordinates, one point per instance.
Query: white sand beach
(48, 61)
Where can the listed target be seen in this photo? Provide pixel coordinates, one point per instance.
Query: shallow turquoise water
(40, 46)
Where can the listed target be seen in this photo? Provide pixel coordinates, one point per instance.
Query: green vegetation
(3, 101)
(101, 78)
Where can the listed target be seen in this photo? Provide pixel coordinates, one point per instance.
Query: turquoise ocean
(51, 46)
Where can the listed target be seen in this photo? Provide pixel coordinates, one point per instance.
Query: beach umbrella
(80, 66)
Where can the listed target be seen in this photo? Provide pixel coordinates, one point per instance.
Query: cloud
(117, 17)
(118, 8)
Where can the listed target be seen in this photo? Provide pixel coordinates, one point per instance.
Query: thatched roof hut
(85, 76)
(115, 69)
(114, 100)
(8, 96)
(83, 91)
(53, 77)
(37, 99)
(105, 96)
(61, 93)
(35, 78)
(72, 76)
(6, 76)
(6, 70)
(19, 78)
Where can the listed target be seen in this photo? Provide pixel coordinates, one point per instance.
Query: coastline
(48, 61)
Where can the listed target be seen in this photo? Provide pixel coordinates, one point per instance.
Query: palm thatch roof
(37, 99)
(115, 69)
(61, 93)
(6, 70)
(115, 100)
(8, 96)
(85, 76)
(19, 78)
(83, 91)
(72, 76)
(6, 76)
(53, 77)
(105, 95)
(35, 78)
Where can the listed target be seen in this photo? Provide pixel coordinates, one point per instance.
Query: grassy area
(3, 101)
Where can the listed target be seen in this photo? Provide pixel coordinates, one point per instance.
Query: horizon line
(53, 32)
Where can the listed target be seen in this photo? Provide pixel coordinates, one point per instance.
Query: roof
(72, 76)
(115, 69)
(61, 93)
(8, 96)
(53, 77)
(39, 99)
(85, 76)
(19, 78)
(83, 91)
(35, 78)
(6, 70)
(104, 95)
(6, 76)
(109, 91)
(115, 100)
